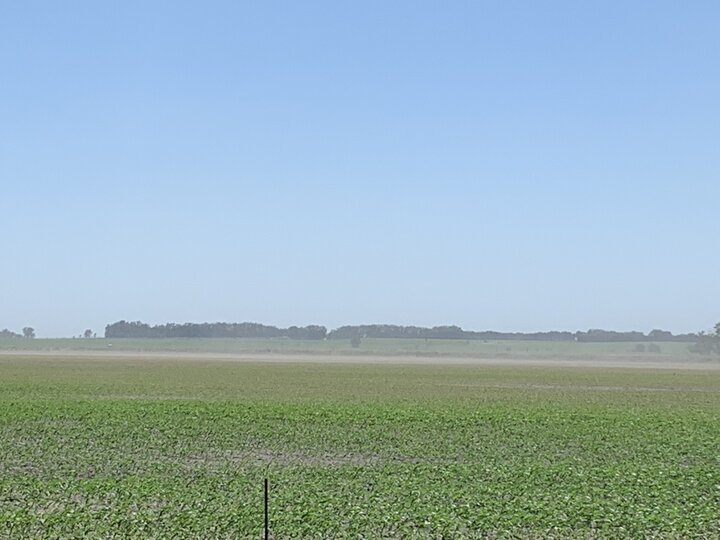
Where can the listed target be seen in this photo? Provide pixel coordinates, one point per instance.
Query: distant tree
(29, 332)
(707, 342)
(654, 348)
(660, 335)
(8, 334)
(355, 342)
(640, 347)
(87, 334)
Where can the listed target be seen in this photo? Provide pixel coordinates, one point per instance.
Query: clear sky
(502, 165)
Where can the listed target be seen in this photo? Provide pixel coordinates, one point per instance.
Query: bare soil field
(599, 362)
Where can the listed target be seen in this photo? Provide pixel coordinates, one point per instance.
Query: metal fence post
(267, 516)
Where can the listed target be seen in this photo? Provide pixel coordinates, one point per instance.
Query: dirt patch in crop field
(610, 361)
(263, 456)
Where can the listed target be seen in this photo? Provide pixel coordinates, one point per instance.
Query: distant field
(421, 347)
(143, 448)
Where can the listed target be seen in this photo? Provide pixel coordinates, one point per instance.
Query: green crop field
(162, 448)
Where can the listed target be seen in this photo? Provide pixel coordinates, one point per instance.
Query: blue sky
(504, 165)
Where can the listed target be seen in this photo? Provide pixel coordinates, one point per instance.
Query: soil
(571, 362)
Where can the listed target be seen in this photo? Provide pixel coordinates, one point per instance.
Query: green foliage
(138, 329)
(707, 342)
(178, 449)
(455, 332)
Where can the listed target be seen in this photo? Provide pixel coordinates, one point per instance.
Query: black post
(267, 520)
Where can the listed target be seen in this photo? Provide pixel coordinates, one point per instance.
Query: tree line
(138, 329)
(701, 342)
(455, 332)
(28, 332)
